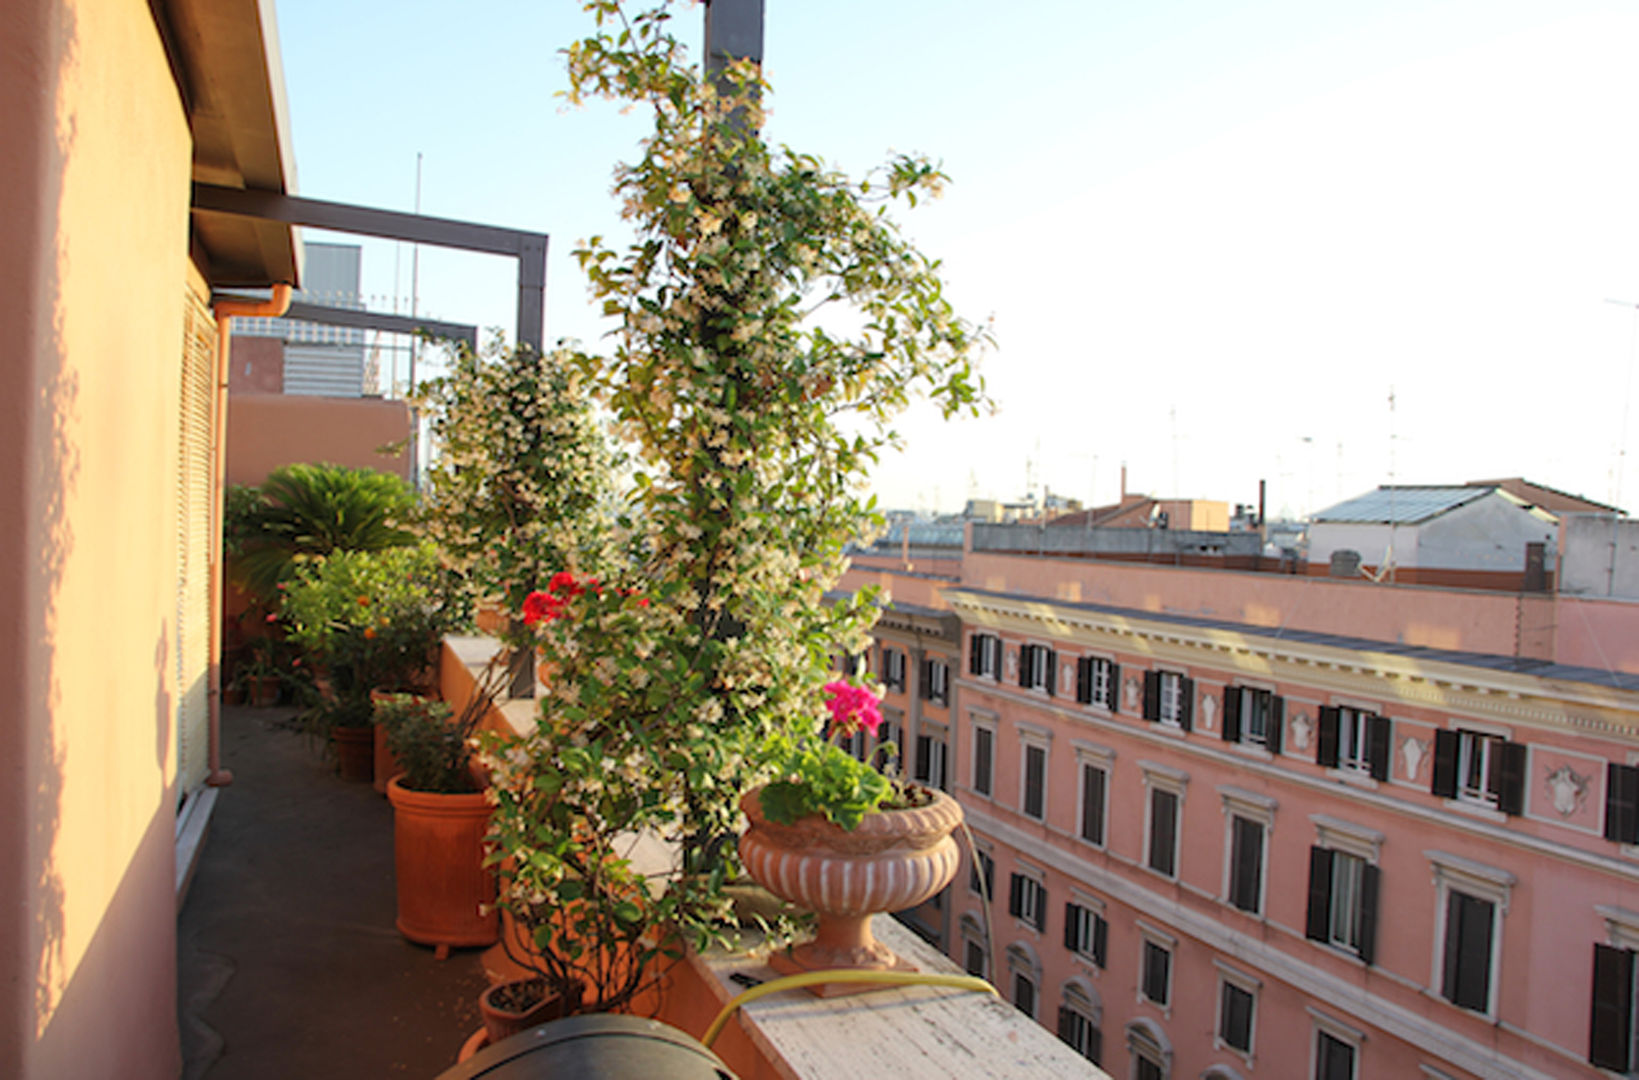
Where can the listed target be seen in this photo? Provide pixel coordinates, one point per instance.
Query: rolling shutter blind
(194, 544)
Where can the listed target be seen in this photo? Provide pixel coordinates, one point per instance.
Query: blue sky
(1213, 237)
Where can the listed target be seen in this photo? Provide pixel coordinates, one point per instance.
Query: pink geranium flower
(852, 708)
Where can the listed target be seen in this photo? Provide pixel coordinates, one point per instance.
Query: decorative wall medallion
(1567, 790)
(1130, 693)
(1412, 753)
(1209, 709)
(1300, 726)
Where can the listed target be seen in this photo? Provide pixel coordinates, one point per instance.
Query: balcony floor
(289, 964)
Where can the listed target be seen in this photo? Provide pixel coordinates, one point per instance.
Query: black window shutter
(1084, 680)
(923, 749)
(1445, 765)
(1092, 805)
(1511, 790)
(1326, 745)
(1101, 936)
(1232, 714)
(1071, 924)
(1152, 695)
(1052, 671)
(975, 654)
(1186, 704)
(1015, 895)
(1041, 908)
(924, 680)
(1320, 895)
(1369, 876)
(1380, 730)
(1115, 688)
(1621, 803)
(1468, 951)
(1024, 664)
(1277, 723)
(1248, 855)
(1163, 831)
(1611, 1025)
(1067, 1020)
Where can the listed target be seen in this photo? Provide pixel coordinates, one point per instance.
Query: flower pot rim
(919, 826)
(446, 801)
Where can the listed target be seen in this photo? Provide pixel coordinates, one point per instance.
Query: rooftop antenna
(1394, 521)
(1172, 418)
(1627, 400)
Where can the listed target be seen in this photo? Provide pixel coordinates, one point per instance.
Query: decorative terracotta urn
(894, 860)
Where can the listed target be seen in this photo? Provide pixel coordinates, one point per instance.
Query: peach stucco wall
(269, 430)
(94, 178)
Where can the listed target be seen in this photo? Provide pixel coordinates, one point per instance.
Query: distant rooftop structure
(1400, 505)
(1551, 499)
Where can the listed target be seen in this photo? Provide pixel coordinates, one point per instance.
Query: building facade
(1225, 833)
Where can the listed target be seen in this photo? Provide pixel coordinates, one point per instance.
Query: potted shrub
(446, 891)
(368, 621)
(835, 836)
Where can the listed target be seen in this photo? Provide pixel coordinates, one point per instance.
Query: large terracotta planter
(894, 860)
(386, 763)
(355, 752)
(446, 895)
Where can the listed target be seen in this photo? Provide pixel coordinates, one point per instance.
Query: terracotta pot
(501, 1021)
(894, 860)
(355, 752)
(263, 690)
(446, 895)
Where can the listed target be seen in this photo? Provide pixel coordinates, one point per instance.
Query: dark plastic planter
(594, 1047)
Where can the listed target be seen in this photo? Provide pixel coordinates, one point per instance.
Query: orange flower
(369, 632)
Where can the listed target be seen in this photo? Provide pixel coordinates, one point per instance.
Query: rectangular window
(975, 958)
(1622, 803)
(1080, 1033)
(984, 745)
(930, 760)
(1253, 717)
(1246, 864)
(1027, 901)
(1147, 1068)
(1094, 784)
(1024, 994)
(1334, 1058)
(1036, 666)
(985, 867)
(985, 656)
(1096, 681)
(893, 668)
(1342, 901)
(1035, 781)
(1354, 740)
(935, 682)
(1481, 769)
(1085, 932)
(1466, 973)
(1168, 699)
(1163, 853)
(1157, 974)
(1235, 1007)
(1610, 1041)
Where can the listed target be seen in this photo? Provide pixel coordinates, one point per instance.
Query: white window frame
(894, 660)
(1260, 810)
(1249, 984)
(1173, 781)
(938, 680)
(971, 931)
(1169, 705)
(1354, 841)
(1103, 666)
(1022, 961)
(1154, 935)
(1034, 737)
(1103, 759)
(1146, 1040)
(1041, 674)
(1250, 693)
(990, 655)
(1471, 743)
(1032, 899)
(982, 721)
(1355, 721)
(1084, 1002)
(938, 737)
(1320, 1023)
(1453, 872)
(1095, 909)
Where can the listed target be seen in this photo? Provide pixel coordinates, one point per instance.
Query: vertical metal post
(532, 292)
(734, 30)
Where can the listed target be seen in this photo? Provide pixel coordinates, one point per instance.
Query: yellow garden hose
(809, 978)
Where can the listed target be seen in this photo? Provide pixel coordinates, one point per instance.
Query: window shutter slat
(1611, 1022)
(1115, 687)
(1092, 805)
(1326, 745)
(1380, 731)
(1101, 936)
(1369, 875)
(1186, 704)
(975, 654)
(1511, 789)
(1052, 672)
(1621, 803)
(1277, 723)
(1072, 940)
(1024, 664)
(1084, 680)
(1232, 714)
(1320, 895)
(1152, 696)
(1444, 782)
(1015, 895)
(922, 754)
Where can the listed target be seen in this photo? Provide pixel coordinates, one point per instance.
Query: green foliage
(522, 482)
(370, 620)
(834, 784)
(428, 744)
(752, 422)
(305, 510)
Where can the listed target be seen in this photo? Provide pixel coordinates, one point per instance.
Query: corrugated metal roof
(1401, 505)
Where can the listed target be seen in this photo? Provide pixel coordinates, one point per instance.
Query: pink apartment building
(1236, 824)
